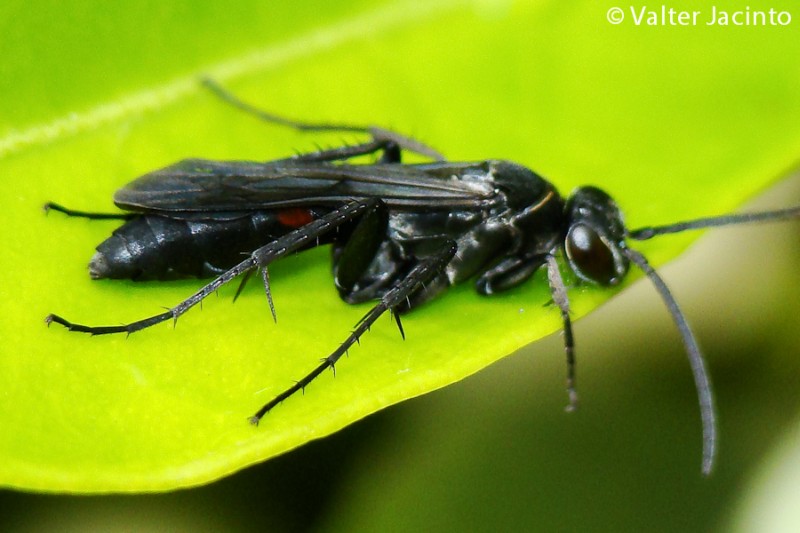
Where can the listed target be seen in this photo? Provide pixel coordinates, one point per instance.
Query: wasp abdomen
(152, 247)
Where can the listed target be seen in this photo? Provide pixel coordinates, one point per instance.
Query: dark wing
(198, 185)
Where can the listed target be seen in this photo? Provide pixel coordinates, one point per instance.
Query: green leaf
(675, 122)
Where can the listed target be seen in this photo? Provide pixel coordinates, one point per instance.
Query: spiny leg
(52, 206)
(260, 258)
(696, 360)
(427, 269)
(340, 153)
(377, 133)
(559, 292)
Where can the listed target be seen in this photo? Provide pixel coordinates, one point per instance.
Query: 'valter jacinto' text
(668, 16)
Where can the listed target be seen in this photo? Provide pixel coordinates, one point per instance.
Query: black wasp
(400, 233)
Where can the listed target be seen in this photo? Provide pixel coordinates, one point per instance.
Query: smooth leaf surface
(675, 125)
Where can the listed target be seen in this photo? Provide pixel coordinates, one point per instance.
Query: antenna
(645, 233)
(702, 382)
(697, 362)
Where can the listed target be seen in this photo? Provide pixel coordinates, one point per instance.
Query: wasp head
(595, 237)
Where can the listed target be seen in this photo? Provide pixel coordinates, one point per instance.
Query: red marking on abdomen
(295, 217)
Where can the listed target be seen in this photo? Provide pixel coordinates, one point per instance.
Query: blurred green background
(495, 451)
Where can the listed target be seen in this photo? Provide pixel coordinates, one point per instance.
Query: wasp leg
(376, 132)
(353, 255)
(559, 292)
(52, 206)
(391, 153)
(427, 269)
(260, 258)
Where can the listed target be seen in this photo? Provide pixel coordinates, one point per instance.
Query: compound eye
(590, 257)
